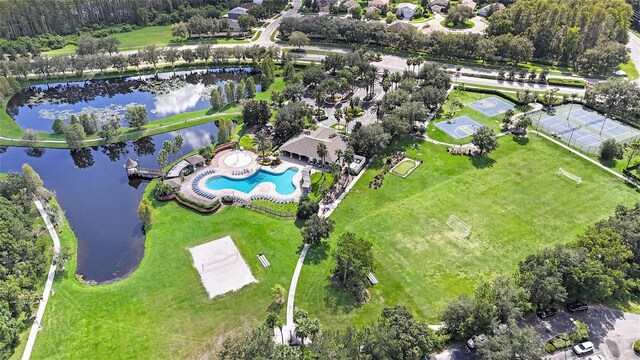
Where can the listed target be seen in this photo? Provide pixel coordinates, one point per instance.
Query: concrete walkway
(289, 328)
(48, 285)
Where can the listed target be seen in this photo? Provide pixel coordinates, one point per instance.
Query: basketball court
(491, 106)
(221, 266)
(459, 127)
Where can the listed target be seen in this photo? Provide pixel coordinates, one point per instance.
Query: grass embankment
(512, 199)
(466, 97)
(151, 35)
(161, 310)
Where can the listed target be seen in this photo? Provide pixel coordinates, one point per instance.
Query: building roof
(193, 160)
(351, 4)
(307, 142)
(378, 3)
(469, 3)
(491, 8)
(411, 6)
(130, 164)
(437, 8)
(439, 2)
(398, 25)
(238, 10)
(249, 5)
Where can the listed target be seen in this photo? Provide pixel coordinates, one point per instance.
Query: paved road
(48, 285)
(634, 46)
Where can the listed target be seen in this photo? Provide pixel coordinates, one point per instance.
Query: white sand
(221, 267)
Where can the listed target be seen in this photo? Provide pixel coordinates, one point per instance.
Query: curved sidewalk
(48, 285)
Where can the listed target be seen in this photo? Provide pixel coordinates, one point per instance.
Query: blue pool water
(283, 182)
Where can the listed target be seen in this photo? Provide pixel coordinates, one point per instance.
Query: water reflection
(98, 198)
(163, 95)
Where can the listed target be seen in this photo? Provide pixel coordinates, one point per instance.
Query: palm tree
(338, 115)
(339, 154)
(321, 150)
(262, 142)
(347, 157)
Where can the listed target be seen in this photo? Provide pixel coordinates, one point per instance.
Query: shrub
(636, 346)
(211, 206)
(610, 149)
(163, 189)
(306, 208)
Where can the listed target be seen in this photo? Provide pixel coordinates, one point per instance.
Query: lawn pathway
(48, 285)
(290, 327)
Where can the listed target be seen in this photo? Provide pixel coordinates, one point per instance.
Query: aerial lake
(91, 184)
(164, 95)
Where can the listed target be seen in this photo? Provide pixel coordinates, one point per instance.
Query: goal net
(459, 226)
(562, 172)
(217, 262)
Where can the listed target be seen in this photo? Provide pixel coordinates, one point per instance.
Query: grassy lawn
(318, 181)
(162, 311)
(466, 97)
(151, 35)
(468, 24)
(630, 68)
(513, 200)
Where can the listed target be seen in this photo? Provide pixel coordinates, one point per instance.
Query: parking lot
(612, 332)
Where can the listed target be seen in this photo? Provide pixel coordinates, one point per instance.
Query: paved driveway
(611, 331)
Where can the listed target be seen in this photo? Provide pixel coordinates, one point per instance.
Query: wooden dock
(133, 170)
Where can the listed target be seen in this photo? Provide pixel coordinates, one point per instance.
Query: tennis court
(491, 106)
(459, 127)
(583, 128)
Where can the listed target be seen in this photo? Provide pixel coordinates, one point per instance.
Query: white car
(583, 348)
(472, 343)
(596, 357)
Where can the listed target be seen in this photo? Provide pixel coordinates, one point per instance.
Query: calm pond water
(100, 202)
(163, 95)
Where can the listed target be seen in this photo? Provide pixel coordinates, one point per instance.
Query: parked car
(596, 357)
(548, 312)
(473, 343)
(577, 306)
(583, 348)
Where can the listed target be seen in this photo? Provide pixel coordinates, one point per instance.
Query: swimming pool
(283, 182)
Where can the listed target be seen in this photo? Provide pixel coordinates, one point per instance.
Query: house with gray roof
(406, 10)
(304, 145)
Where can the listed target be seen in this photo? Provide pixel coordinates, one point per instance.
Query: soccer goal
(576, 178)
(215, 263)
(459, 226)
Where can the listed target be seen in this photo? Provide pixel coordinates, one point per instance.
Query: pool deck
(264, 190)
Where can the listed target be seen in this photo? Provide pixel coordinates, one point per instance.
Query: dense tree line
(23, 262)
(564, 29)
(396, 335)
(601, 265)
(616, 96)
(592, 40)
(60, 17)
(151, 55)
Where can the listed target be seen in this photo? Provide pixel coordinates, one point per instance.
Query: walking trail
(48, 285)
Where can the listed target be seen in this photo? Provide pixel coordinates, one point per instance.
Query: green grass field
(162, 311)
(151, 35)
(512, 199)
(630, 68)
(466, 97)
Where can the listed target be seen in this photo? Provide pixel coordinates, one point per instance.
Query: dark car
(548, 312)
(577, 306)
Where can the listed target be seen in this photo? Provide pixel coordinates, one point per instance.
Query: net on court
(221, 267)
(491, 106)
(459, 127)
(582, 128)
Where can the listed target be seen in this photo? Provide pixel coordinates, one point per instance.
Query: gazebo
(195, 161)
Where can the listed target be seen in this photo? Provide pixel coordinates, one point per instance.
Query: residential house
(304, 145)
(488, 10)
(438, 6)
(469, 3)
(378, 3)
(397, 26)
(236, 12)
(406, 10)
(350, 5)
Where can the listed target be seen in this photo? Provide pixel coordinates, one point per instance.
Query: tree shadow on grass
(521, 140)
(317, 253)
(610, 163)
(338, 300)
(482, 162)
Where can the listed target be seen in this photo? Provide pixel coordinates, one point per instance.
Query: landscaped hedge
(198, 206)
(636, 347)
